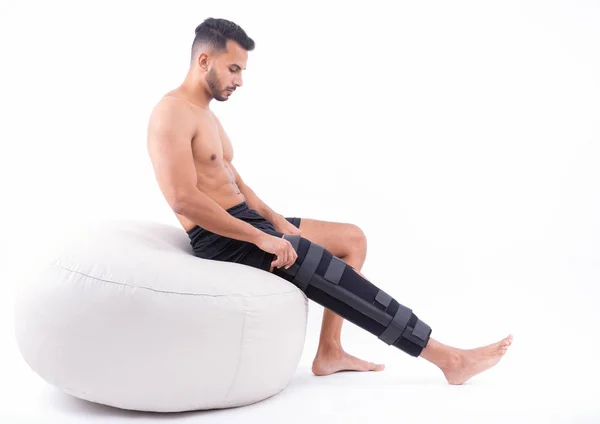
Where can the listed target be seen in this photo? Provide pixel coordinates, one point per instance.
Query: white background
(462, 137)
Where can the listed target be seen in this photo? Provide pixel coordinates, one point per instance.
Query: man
(225, 220)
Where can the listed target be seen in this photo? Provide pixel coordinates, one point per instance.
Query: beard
(214, 86)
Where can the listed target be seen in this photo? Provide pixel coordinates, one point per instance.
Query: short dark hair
(216, 32)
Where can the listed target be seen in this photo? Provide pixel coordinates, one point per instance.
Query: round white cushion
(122, 313)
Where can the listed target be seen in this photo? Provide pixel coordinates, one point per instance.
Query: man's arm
(170, 132)
(252, 199)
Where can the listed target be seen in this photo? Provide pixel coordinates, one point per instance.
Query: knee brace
(332, 283)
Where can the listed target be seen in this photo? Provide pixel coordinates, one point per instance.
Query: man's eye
(232, 70)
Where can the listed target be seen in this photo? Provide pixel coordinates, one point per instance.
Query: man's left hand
(284, 226)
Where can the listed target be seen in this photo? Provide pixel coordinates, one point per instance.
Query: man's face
(225, 74)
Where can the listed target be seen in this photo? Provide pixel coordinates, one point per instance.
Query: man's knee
(358, 239)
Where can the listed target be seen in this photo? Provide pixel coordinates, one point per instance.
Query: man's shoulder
(170, 101)
(171, 108)
(170, 115)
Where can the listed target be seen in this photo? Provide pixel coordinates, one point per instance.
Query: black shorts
(209, 245)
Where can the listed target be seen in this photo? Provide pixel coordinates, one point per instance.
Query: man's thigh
(333, 236)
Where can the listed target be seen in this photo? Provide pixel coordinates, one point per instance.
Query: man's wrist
(257, 236)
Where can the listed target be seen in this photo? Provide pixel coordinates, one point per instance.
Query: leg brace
(332, 283)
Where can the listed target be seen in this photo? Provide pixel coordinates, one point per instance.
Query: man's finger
(281, 259)
(275, 263)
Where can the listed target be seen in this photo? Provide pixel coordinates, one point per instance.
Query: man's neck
(195, 92)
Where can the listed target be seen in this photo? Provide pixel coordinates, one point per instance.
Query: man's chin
(221, 99)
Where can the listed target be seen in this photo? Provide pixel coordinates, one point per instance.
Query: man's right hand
(280, 247)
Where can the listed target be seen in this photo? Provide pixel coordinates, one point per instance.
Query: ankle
(452, 360)
(443, 356)
(329, 347)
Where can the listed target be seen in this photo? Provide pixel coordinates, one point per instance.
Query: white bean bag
(123, 314)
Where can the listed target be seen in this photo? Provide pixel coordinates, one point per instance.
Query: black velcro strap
(293, 239)
(383, 298)
(397, 325)
(334, 270)
(309, 265)
(421, 330)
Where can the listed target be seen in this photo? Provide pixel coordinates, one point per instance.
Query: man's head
(219, 53)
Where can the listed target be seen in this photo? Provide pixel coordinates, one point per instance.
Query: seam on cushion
(239, 362)
(171, 292)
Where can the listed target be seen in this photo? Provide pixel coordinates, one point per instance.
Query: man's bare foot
(331, 361)
(471, 362)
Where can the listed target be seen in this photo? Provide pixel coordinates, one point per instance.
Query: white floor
(550, 374)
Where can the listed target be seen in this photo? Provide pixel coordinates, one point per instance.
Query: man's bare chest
(210, 148)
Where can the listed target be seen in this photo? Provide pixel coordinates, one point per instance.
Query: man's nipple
(213, 157)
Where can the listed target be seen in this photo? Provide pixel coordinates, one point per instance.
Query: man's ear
(203, 61)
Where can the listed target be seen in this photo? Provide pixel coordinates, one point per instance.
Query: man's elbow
(179, 203)
(177, 207)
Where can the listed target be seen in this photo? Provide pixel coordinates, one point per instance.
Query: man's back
(190, 150)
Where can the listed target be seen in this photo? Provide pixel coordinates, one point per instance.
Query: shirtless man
(192, 159)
